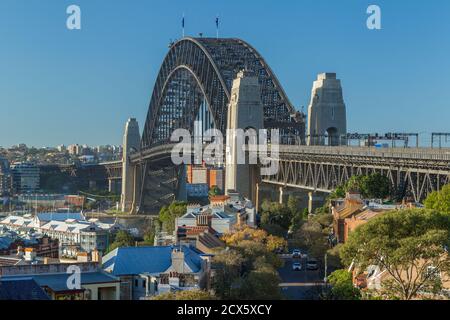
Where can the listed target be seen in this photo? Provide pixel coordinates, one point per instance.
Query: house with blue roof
(149, 271)
(58, 281)
(25, 288)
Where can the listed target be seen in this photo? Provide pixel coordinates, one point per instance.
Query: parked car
(311, 264)
(296, 266)
(296, 253)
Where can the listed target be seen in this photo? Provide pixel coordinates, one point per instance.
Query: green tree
(370, 186)
(228, 266)
(407, 244)
(247, 269)
(293, 204)
(274, 229)
(276, 213)
(439, 200)
(151, 232)
(338, 193)
(214, 191)
(261, 284)
(333, 258)
(377, 186)
(342, 286)
(312, 237)
(167, 215)
(122, 239)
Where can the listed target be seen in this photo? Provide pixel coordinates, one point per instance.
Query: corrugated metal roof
(58, 281)
(60, 216)
(139, 260)
(21, 289)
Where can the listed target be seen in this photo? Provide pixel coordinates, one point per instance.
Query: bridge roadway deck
(286, 151)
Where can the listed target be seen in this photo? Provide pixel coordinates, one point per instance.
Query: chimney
(178, 260)
(82, 257)
(30, 254)
(96, 256)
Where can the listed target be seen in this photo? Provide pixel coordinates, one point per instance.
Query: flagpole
(217, 26)
(182, 24)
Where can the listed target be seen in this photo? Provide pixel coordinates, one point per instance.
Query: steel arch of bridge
(198, 70)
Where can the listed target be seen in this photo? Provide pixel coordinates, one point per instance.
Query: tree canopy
(167, 215)
(247, 268)
(122, 239)
(439, 200)
(215, 191)
(407, 244)
(342, 286)
(370, 186)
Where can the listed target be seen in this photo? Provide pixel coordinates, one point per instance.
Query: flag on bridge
(217, 26)
(182, 24)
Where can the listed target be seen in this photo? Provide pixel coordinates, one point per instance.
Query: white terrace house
(85, 235)
(225, 215)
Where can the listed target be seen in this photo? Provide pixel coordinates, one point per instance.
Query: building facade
(26, 177)
(5, 178)
(148, 271)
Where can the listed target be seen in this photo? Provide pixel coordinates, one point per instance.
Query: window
(143, 283)
(136, 282)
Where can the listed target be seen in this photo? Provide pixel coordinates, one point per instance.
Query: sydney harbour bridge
(194, 84)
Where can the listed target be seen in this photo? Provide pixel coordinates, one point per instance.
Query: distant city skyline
(66, 87)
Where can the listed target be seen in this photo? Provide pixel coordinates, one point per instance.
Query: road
(300, 285)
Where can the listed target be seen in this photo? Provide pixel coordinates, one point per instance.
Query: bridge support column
(131, 143)
(114, 185)
(136, 190)
(256, 204)
(244, 113)
(314, 201)
(281, 190)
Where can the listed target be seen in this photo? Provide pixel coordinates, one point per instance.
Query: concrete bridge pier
(245, 117)
(131, 143)
(314, 201)
(114, 185)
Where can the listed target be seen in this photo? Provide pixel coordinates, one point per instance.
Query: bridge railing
(409, 153)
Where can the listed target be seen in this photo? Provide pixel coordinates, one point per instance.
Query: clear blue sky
(61, 87)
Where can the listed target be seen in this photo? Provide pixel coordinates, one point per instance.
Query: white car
(311, 264)
(296, 266)
(296, 253)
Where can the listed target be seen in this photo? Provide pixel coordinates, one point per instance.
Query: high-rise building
(5, 177)
(25, 177)
(74, 149)
(62, 148)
